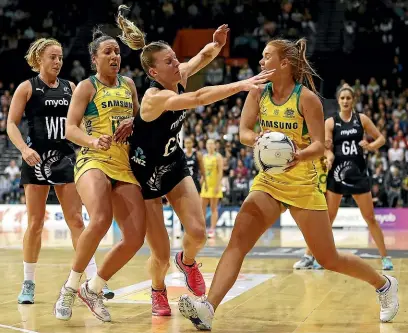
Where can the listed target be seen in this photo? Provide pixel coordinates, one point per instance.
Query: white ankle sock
(73, 280)
(385, 287)
(91, 269)
(29, 271)
(96, 284)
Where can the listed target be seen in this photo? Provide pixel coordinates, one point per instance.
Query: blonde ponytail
(132, 36)
(305, 70)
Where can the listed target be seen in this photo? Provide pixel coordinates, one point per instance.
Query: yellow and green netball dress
(211, 175)
(298, 187)
(109, 106)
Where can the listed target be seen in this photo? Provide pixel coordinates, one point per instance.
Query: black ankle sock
(159, 289)
(183, 262)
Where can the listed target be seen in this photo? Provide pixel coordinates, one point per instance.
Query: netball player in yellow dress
(103, 176)
(211, 191)
(285, 105)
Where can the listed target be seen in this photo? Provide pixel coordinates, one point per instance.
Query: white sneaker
(305, 263)
(200, 312)
(94, 302)
(389, 301)
(64, 304)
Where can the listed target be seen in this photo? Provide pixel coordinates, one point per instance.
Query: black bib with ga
(46, 113)
(156, 158)
(348, 174)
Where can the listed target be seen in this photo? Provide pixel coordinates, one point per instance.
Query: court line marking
(17, 329)
(177, 279)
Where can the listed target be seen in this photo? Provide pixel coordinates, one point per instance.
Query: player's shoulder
(308, 95)
(88, 83)
(309, 101)
(129, 81)
(329, 122)
(25, 85)
(67, 83)
(262, 89)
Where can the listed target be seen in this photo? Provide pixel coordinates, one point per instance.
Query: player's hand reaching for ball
(30, 156)
(260, 134)
(296, 159)
(102, 143)
(220, 35)
(253, 82)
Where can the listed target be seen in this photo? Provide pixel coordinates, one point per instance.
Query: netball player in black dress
(345, 144)
(48, 158)
(157, 159)
(195, 163)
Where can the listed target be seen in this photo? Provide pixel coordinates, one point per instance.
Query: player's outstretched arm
(207, 54)
(156, 101)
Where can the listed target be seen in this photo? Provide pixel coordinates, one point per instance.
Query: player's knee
(35, 224)
(370, 218)
(100, 224)
(197, 230)
(239, 241)
(160, 260)
(328, 260)
(133, 245)
(332, 216)
(75, 221)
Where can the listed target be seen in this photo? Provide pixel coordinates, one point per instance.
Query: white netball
(272, 152)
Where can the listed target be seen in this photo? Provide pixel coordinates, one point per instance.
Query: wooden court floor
(270, 297)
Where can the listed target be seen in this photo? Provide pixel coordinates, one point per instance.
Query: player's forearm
(312, 152)
(209, 53)
(209, 95)
(329, 154)
(79, 137)
(15, 136)
(247, 137)
(377, 143)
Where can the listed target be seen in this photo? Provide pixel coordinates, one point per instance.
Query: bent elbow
(245, 138)
(68, 132)
(9, 125)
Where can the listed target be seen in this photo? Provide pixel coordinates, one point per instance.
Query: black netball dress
(46, 112)
(348, 174)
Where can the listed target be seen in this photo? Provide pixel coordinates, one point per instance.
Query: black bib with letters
(348, 174)
(156, 158)
(46, 112)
